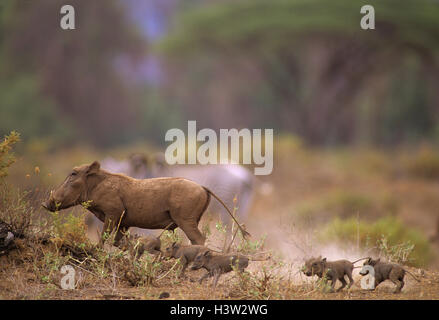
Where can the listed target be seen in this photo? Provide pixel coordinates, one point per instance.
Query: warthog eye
(73, 173)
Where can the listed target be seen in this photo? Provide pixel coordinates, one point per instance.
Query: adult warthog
(122, 202)
(228, 181)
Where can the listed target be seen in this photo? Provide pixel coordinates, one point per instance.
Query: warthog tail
(359, 260)
(259, 257)
(244, 233)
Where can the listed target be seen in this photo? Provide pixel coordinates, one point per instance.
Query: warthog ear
(207, 253)
(93, 168)
(174, 244)
(324, 259)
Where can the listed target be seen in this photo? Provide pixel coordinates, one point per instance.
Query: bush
(387, 236)
(345, 204)
(262, 285)
(16, 210)
(6, 157)
(16, 206)
(68, 229)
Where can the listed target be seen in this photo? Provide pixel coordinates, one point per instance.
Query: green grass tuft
(388, 236)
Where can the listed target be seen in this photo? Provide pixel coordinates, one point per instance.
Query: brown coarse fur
(122, 202)
(186, 253)
(218, 264)
(330, 270)
(387, 271)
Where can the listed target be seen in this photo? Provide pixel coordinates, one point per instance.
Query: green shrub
(16, 210)
(15, 207)
(346, 203)
(387, 236)
(6, 156)
(68, 229)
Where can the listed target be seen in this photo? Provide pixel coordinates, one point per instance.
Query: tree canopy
(312, 66)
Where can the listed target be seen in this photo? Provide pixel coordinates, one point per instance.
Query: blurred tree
(76, 69)
(22, 106)
(158, 114)
(303, 65)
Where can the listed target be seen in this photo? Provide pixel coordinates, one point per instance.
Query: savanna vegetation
(354, 112)
(335, 223)
(301, 67)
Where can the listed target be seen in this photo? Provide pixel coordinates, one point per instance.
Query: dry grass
(32, 271)
(328, 184)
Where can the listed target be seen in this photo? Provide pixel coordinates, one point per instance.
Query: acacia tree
(306, 66)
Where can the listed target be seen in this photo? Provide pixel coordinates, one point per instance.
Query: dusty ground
(20, 280)
(427, 289)
(299, 176)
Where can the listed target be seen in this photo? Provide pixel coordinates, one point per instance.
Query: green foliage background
(299, 66)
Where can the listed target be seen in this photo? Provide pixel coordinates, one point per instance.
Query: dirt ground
(299, 176)
(26, 288)
(19, 280)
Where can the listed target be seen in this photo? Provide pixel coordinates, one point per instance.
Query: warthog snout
(196, 266)
(49, 204)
